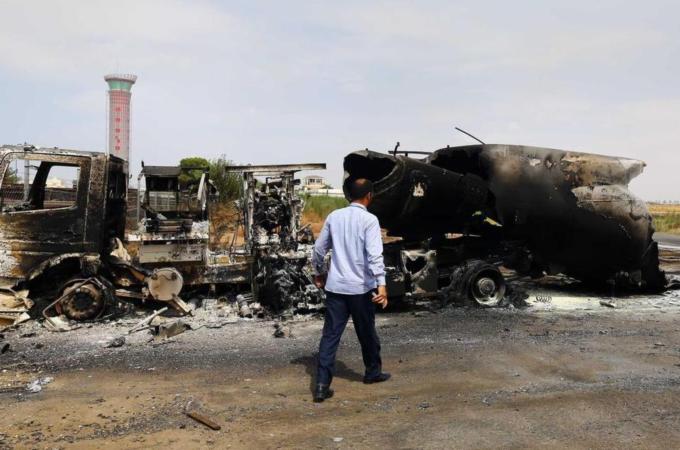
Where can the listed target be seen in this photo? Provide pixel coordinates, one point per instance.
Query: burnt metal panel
(414, 198)
(30, 237)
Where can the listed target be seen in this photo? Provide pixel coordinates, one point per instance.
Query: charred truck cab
(49, 216)
(62, 218)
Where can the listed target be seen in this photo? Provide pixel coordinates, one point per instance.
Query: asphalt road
(668, 240)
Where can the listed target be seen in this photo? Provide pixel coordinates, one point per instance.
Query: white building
(54, 182)
(313, 183)
(316, 185)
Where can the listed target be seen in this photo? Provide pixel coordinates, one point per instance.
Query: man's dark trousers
(339, 307)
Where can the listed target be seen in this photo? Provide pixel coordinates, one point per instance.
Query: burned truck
(279, 246)
(62, 221)
(63, 242)
(272, 260)
(172, 227)
(462, 212)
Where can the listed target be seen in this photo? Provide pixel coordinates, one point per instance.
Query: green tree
(196, 166)
(11, 176)
(229, 184)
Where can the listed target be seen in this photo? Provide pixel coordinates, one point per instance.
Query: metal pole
(27, 174)
(289, 185)
(139, 200)
(249, 206)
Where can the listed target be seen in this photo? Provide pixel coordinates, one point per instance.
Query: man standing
(356, 272)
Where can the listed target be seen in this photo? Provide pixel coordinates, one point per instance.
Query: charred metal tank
(570, 212)
(414, 198)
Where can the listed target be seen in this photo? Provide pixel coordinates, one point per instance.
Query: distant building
(316, 185)
(54, 183)
(313, 183)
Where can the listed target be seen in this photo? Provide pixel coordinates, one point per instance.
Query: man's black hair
(360, 188)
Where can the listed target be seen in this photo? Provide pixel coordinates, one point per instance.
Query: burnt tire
(85, 302)
(477, 282)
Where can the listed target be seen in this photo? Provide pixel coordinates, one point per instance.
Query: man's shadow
(341, 370)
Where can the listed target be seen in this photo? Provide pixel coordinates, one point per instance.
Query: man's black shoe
(378, 378)
(322, 392)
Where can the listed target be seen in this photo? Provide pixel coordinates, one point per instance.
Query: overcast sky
(285, 82)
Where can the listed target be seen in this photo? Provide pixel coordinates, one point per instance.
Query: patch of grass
(319, 206)
(666, 217)
(228, 184)
(667, 223)
(663, 208)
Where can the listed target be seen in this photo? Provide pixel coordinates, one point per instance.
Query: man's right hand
(381, 297)
(320, 281)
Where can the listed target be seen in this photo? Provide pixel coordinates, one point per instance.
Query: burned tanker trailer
(461, 212)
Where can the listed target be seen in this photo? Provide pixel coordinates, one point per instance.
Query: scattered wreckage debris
(170, 329)
(59, 324)
(282, 331)
(115, 342)
(608, 303)
(203, 419)
(243, 305)
(144, 323)
(194, 411)
(14, 306)
(36, 385)
(462, 212)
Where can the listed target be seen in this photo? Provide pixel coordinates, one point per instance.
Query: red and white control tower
(120, 87)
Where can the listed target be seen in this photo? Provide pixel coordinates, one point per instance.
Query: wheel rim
(85, 302)
(487, 287)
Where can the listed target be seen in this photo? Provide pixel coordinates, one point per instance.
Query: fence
(324, 192)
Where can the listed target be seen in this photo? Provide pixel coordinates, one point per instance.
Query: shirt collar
(358, 205)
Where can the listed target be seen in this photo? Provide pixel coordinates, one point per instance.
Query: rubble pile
(14, 307)
(286, 283)
(164, 324)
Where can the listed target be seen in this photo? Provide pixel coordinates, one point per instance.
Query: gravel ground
(567, 371)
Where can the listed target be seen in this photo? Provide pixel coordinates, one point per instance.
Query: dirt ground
(566, 371)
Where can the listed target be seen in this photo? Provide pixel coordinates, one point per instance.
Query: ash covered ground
(572, 369)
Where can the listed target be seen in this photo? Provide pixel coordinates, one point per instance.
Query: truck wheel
(485, 284)
(478, 282)
(84, 303)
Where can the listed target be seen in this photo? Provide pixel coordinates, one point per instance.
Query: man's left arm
(376, 264)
